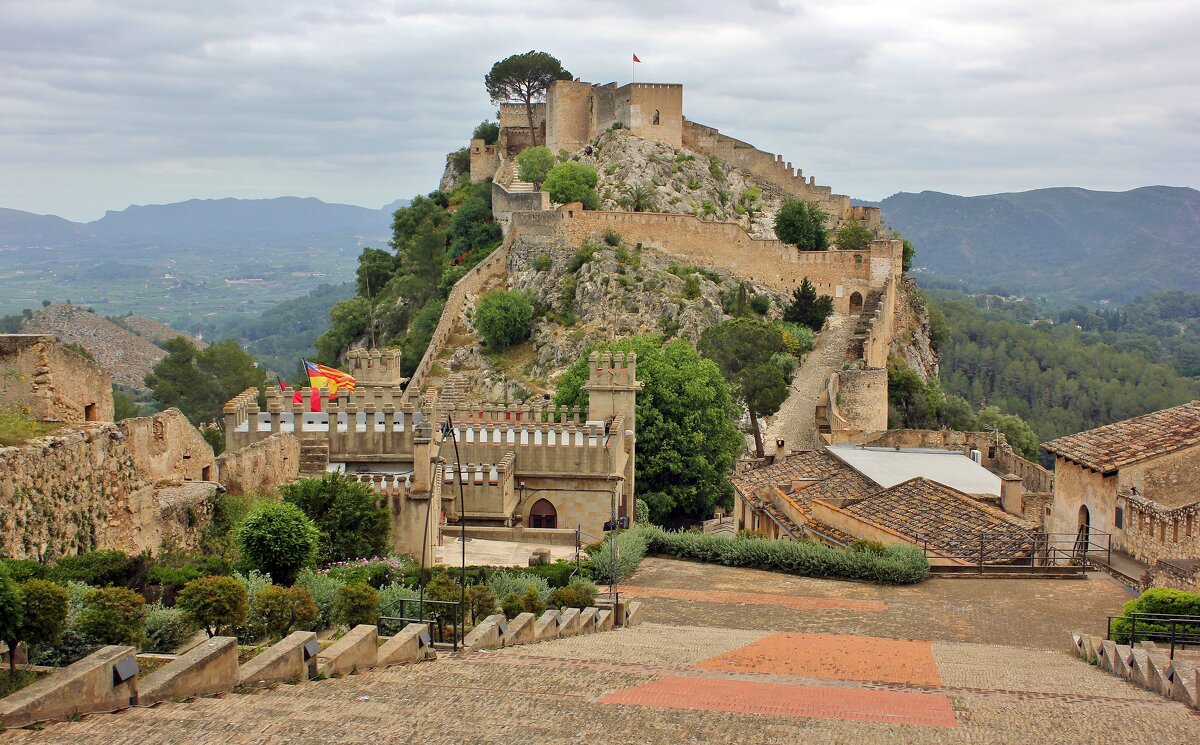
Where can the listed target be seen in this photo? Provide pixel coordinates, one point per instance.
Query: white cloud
(135, 101)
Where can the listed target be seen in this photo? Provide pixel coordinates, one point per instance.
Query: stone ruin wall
(52, 382)
(126, 486)
(261, 467)
(727, 245)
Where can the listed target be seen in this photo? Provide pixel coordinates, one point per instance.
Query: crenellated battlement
(608, 370)
(375, 367)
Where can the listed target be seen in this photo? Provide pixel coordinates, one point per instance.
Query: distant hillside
(1066, 244)
(157, 333)
(127, 356)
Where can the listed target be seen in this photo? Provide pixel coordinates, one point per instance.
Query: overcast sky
(106, 104)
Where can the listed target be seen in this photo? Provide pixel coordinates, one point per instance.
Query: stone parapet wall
(1152, 532)
(52, 383)
(505, 203)
(125, 486)
(262, 466)
(880, 327)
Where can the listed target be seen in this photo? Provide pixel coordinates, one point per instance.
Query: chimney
(1011, 494)
(781, 451)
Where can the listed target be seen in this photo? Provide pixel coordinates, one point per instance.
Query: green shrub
(279, 540)
(508, 583)
(214, 602)
(167, 629)
(585, 253)
(278, 611)
(530, 601)
(34, 612)
(504, 318)
(631, 548)
(580, 593)
(178, 571)
(641, 511)
(345, 513)
(356, 604)
(481, 602)
(112, 615)
(542, 262)
(103, 568)
(760, 304)
(572, 182)
(556, 574)
(22, 570)
(612, 237)
(324, 589)
(17, 427)
(897, 565)
(691, 287)
(377, 572)
(1159, 600)
(869, 547)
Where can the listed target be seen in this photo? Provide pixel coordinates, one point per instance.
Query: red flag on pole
(635, 59)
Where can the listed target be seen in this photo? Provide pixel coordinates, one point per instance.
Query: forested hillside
(1056, 376)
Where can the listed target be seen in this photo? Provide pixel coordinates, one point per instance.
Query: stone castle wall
(51, 382)
(262, 466)
(727, 245)
(577, 112)
(106, 485)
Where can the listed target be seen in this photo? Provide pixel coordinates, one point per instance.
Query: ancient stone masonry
(52, 383)
(127, 486)
(524, 464)
(262, 466)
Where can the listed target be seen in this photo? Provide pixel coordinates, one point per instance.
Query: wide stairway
(507, 177)
(796, 421)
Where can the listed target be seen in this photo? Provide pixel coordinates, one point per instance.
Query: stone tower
(612, 388)
(375, 367)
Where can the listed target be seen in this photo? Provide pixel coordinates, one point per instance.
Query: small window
(1119, 520)
(90, 413)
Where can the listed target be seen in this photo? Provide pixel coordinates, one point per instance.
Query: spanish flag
(320, 376)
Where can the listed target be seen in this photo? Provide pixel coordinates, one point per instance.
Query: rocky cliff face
(911, 340)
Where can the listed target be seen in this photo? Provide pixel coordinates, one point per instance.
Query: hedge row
(896, 565)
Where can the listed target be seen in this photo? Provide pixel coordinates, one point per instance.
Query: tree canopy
(572, 182)
(524, 78)
(199, 382)
(533, 163)
(854, 236)
(807, 308)
(488, 131)
(742, 349)
(344, 512)
(503, 318)
(802, 224)
(687, 436)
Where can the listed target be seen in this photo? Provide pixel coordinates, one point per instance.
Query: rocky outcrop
(127, 486)
(911, 339)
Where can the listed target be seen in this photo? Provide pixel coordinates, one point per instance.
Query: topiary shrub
(278, 539)
(112, 615)
(580, 593)
(167, 629)
(504, 318)
(214, 602)
(278, 611)
(356, 604)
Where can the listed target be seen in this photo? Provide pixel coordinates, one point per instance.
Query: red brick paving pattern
(742, 697)
(792, 602)
(834, 656)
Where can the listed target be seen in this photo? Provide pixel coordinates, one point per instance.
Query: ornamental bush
(324, 589)
(579, 594)
(1161, 600)
(278, 539)
(356, 604)
(530, 602)
(167, 628)
(112, 615)
(504, 318)
(631, 548)
(102, 568)
(345, 513)
(897, 565)
(214, 602)
(481, 602)
(504, 584)
(278, 611)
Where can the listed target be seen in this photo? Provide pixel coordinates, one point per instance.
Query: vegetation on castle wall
(503, 318)
(802, 224)
(488, 131)
(573, 182)
(687, 437)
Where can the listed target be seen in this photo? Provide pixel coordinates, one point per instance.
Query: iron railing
(427, 612)
(1156, 627)
(1014, 549)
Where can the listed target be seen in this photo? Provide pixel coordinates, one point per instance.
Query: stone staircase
(507, 177)
(314, 458)
(862, 326)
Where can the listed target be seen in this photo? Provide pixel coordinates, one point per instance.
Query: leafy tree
(910, 251)
(375, 268)
(1019, 434)
(12, 616)
(687, 436)
(806, 308)
(524, 78)
(572, 182)
(488, 131)
(281, 610)
(504, 318)
(802, 224)
(742, 349)
(481, 602)
(854, 236)
(278, 539)
(213, 602)
(34, 612)
(344, 512)
(124, 406)
(533, 163)
(199, 382)
(112, 615)
(357, 603)
(348, 321)
(639, 198)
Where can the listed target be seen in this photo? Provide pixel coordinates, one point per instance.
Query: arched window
(543, 515)
(856, 303)
(656, 117)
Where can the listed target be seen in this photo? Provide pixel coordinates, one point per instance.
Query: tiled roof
(1113, 446)
(950, 521)
(805, 465)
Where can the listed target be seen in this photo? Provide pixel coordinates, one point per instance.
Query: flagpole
(634, 66)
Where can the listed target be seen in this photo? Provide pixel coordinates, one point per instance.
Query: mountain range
(1062, 244)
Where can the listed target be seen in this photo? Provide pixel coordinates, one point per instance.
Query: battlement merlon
(379, 367)
(608, 371)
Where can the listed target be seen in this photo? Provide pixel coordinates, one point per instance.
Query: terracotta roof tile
(1113, 446)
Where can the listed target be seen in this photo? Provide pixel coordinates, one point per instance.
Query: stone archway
(856, 303)
(543, 515)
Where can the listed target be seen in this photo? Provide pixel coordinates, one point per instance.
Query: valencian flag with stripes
(320, 376)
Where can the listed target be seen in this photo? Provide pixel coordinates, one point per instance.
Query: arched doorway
(1082, 538)
(543, 515)
(856, 303)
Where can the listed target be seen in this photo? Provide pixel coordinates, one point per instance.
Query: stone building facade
(1135, 481)
(435, 460)
(52, 383)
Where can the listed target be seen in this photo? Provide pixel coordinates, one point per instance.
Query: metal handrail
(1190, 635)
(421, 617)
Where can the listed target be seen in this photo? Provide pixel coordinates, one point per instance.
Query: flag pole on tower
(634, 66)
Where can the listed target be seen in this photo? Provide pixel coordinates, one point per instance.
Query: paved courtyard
(727, 655)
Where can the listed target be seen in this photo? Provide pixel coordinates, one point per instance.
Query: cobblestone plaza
(752, 657)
